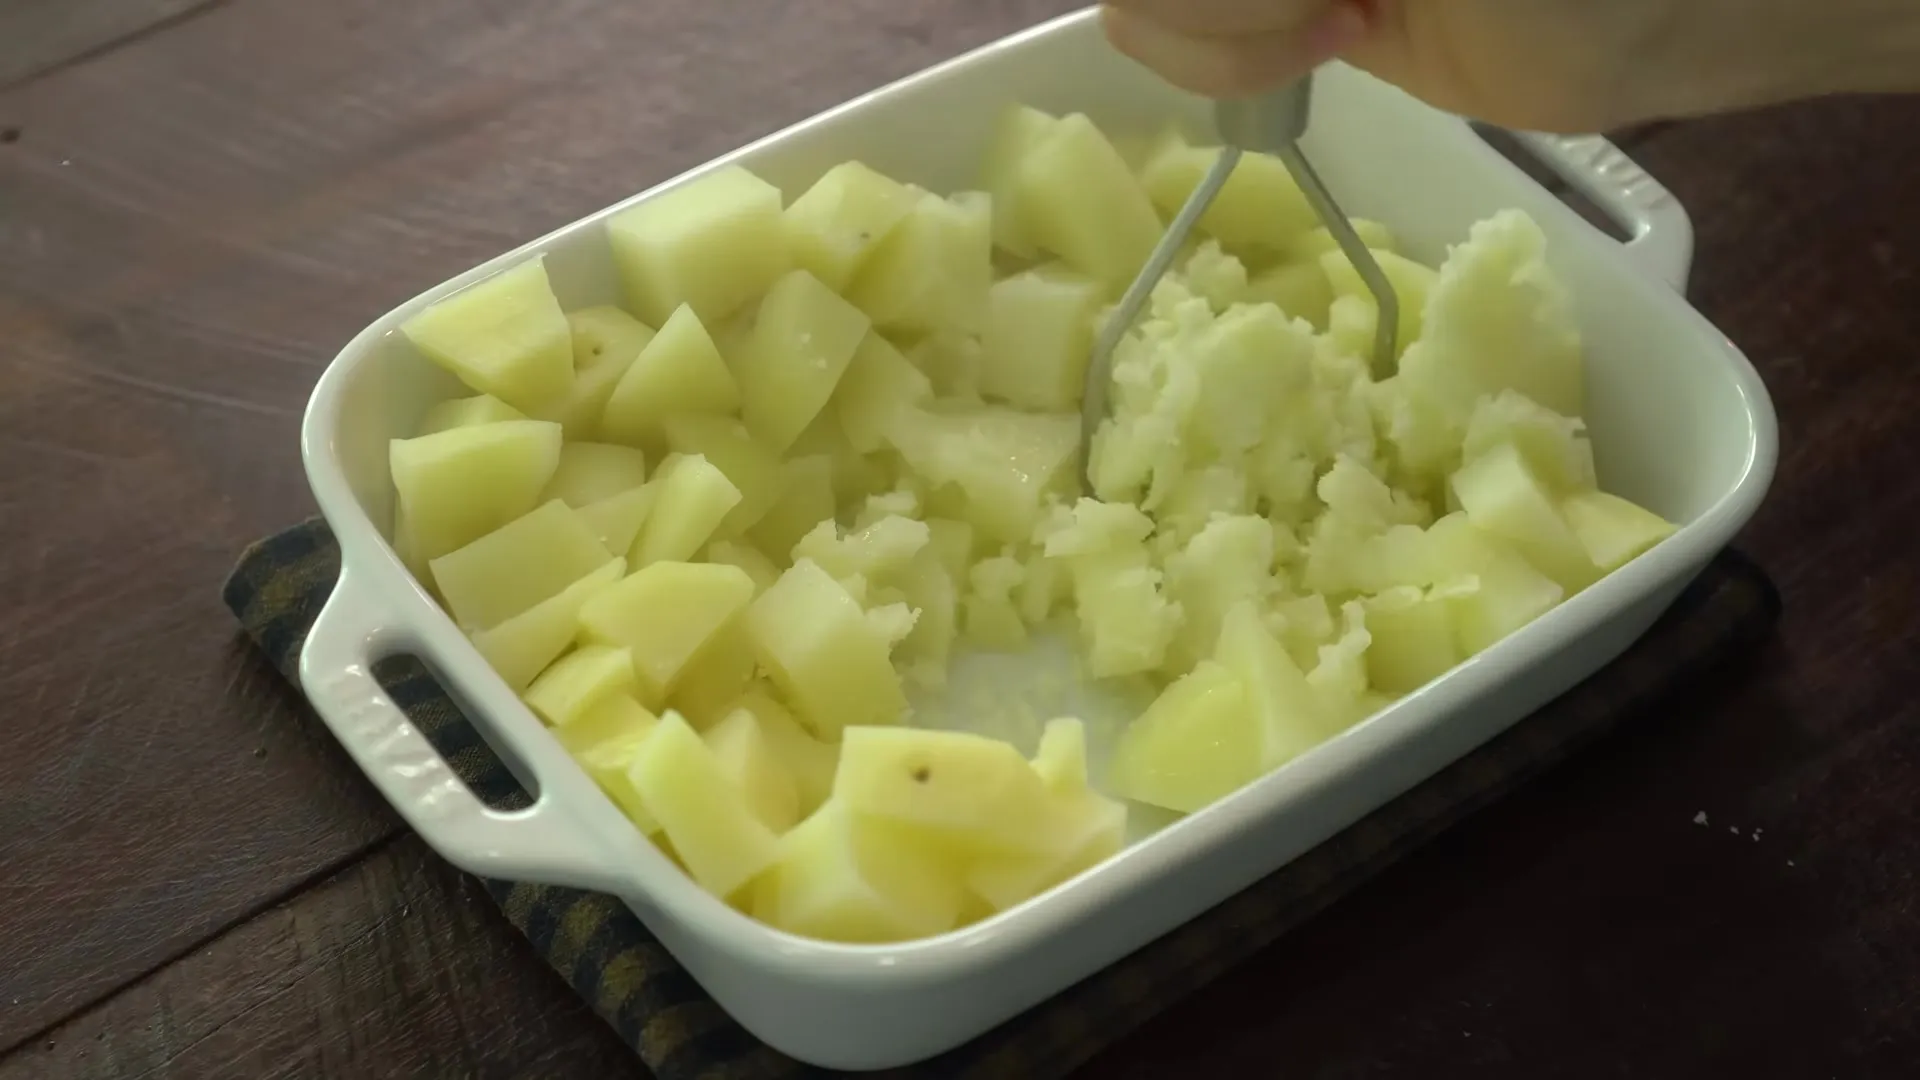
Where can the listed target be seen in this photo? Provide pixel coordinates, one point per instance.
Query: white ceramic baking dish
(1680, 421)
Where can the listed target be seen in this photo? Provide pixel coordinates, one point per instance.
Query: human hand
(1547, 65)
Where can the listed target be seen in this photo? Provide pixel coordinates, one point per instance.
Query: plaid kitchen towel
(611, 960)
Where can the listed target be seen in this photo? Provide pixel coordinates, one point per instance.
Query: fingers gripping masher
(1272, 123)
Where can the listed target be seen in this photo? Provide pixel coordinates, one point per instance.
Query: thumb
(1239, 65)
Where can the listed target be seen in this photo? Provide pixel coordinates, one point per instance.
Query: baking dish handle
(536, 844)
(1660, 233)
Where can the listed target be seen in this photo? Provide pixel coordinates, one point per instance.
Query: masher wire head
(1272, 123)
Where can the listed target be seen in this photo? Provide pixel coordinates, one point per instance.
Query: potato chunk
(713, 244)
(815, 640)
(834, 228)
(842, 876)
(522, 647)
(517, 565)
(1197, 743)
(695, 497)
(745, 461)
(579, 681)
(458, 485)
(504, 336)
(678, 372)
(589, 472)
(932, 272)
(701, 809)
(1039, 339)
(802, 340)
(665, 614)
(1084, 205)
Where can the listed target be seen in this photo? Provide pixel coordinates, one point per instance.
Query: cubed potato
(617, 519)
(953, 542)
(589, 472)
(604, 741)
(879, 384)
(931, 274)
(1287, 712)
(606, 336)
(517, 565)
(1505, 592)
(468, 412)
(720, 840)
(1227, 563)
(605, 342)
(1039, 339)
(1047, 585)
(522, 647)
(746, 462)
(747, 756)
(678, 372)
(842, 876)
(1502, 495)
(802, 341)
(504, 336)
(951, 362)
(1414, 641)
(810, 761)
(1199, 742)
(578, 681)
(1613, 531)
(968, 792)
(1300, 289)
(458, 485)
(813, 638)
(1083, 204)
(716, 677)
(1005, 462)
(712, 244)
(695, 497)
(1260, 209)
(1319, 240)
(1554, 446)
(1016, 134)
(747, 557)
(855, 475)
(834, 228)
(806, 499)
(1061, 758)
(665, 614)
(1097, 828)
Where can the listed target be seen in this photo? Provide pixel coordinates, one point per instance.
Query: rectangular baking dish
(1680, 422)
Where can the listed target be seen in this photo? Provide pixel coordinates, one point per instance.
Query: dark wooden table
(201, 200)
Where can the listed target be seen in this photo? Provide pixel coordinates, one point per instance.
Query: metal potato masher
(1271, 123)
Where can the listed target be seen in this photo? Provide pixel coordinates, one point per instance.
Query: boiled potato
(814, 639)
(517, 565)
(716, 677)
(1612, 530)
(1260, 208)
(664, 614)
(695, 498)
(803, 338)
(843, 876)
(701, 808)
(712, 244)
(1004, 462)
(726, 444)
(1200, 741)
(605, 342)
(1095, 828)
(579, 681)
(617, 519)
(505, 336)
(458, 485)
(805, 500)
(748, 758)
(1039, 339)
(970, 792)
(932, 272)
(520, 648)
(879, 385)
(809, 761)
(605, 740)
(1084, 205)
(1310, 246)
(835, 227)
(589, 472)
(1016, 135)
(468, 412)
(748, 558)
(1502, 495)
(678, 372)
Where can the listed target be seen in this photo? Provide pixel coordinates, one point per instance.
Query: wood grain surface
(40, 35)
(194, 881)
